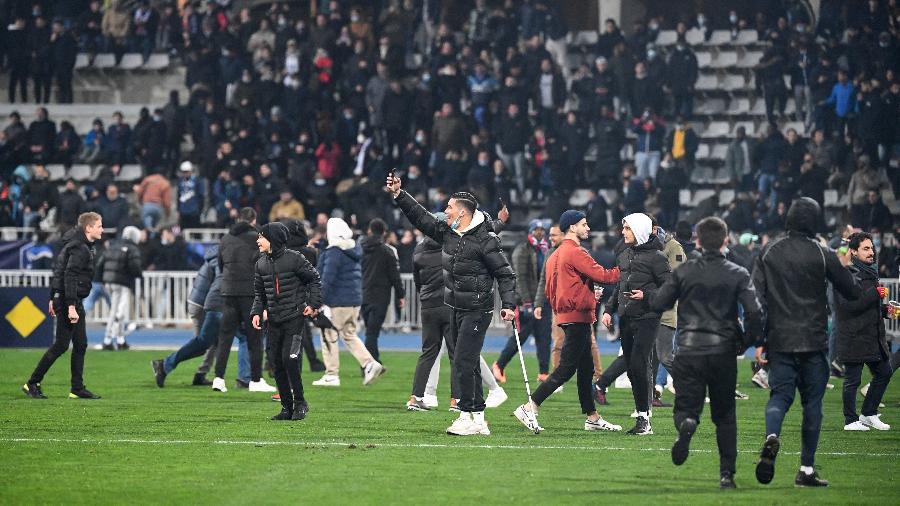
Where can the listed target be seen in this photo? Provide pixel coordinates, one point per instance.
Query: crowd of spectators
(301, 111)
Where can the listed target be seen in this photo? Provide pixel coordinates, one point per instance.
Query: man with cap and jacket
(298, 240)
(790, 276)
(472, 261)
(238, 254)
(861, 337)
(528, 261)
(710, 291)
(120, 265)
(644, 269)
(70, 284)
(287, 287)
(571, 276)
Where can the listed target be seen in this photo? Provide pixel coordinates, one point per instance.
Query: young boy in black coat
(286, 288)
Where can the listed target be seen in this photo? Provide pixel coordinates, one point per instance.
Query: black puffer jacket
(860, 323)
(790, 277)
(471, 260)
(298, 240)
(237, 255)
(428, 273)
(643, 267)
(74, 269)
(121, 263)
(284, 282)
(381, 272)
(708, 291)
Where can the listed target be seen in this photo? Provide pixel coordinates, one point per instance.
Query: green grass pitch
(189, 445)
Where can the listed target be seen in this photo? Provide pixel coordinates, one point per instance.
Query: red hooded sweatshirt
(569, 271)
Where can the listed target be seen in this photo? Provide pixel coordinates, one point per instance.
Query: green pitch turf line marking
(395, 445)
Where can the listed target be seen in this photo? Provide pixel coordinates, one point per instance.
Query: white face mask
(354, 18)
(455, 224)
(420, 139)
(733, 19)
(654, 26)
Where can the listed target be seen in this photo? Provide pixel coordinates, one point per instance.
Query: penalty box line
(396, 445)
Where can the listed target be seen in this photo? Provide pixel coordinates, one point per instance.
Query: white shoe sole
(857, 428)
(608, 427)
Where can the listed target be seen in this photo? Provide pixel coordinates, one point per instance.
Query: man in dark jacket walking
(70, 284)
(237, 256)
(644, 269)
(121, 265)
(298, 240)
(381, 272)
(790, 276)
(288, 288)
(472, 261)
(861, 337)
(709, 291)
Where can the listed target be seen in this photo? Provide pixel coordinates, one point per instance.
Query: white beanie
(132, 234)
(339, 234)
(641, 226)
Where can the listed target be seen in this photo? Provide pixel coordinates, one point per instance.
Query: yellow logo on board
(25, 317)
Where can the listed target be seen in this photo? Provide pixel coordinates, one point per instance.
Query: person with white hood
(120, 266)
(644, 269)
(340, 266)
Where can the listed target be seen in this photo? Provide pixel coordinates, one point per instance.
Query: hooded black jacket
(861, 334)
(471, 260)
(790, 276)
(643, 267)
(74, 269)
(428, 273)
(284, 282)
(237, 255)
(381, 272)
(121, 263)
(708, 290)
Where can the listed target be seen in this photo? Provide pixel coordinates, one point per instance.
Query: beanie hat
(132, 234)
(276, 233)
(535, 223)
(640, 225)
(569, 218)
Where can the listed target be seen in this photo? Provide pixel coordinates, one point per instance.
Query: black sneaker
(809, 480)
(300, 411)
(159, 370)
(600, 395)
(123, 346)
(83, 393)
(241, 384)
(641, 427)
(285, 414)
(33, 390)
(726, 482)
(200, 380)
(765, 468)
(680, 449)
(108, 347)
(317, 366)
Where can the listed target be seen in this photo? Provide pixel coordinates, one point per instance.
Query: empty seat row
(728, 59)
(130, 61)
(695, 37)
(84, 172)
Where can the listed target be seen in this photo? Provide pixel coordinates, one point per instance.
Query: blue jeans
(209, 336)
(151, 214)
(807, 372)
(766, 181)
(97, 292)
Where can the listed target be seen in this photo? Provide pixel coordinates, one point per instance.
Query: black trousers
(881, 376)
(65, 333)
(528, 326)
(469, 328)
(235, 310)
(694, 374)
(18, 75)
(617, 368)
(638, 339)
(64, 81)
(437, 327)
(43, 82)
(287, 369)
(373, 316)
(575, 358)
(308, 347)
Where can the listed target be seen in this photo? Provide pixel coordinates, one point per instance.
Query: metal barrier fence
(161, 299)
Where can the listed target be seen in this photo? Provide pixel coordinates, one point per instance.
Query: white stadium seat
(104, 61)
(704, 59)
(716, 129)
(718, 151)
(724, 60)
(57, 172)
(720, 38)
(157, 61)
(725, 197)
(694, 37)
(749, 59)
(130, 172)
(734, 82)
(80, 172)
(738, 106)
(707, 82)
(746, 37)
(709, 107)
(702, 151)
(749, 126)
(579, 198)
(82, 61)
(131, 61)
(666, 38)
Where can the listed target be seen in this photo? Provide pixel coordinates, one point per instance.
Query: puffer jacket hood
(339, 234)
(803, 216)
(297, 231)
(641, 226)
(277, 235)
(132, 234)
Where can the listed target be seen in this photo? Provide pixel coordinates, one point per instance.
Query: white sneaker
(374, 370)
(329, 380)
(874, 422)
(431, 401)
(496, 397)
(219, 385)
(261, 386)
(761, 379)
(856, 426)
(601, 424)
(528, 418)
(670, 385)
(635, 415)
(464, 425)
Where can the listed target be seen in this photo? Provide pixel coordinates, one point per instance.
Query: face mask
(482, 163)
(348, 116)
(412, 176)
(354, 18)
(651, 54)
(360, 139)
(680, 47)
(426, 78)
(801, 28)
(455, 224)
(733, 19)
(320, 182)
(701, 20)
(876, 243)
(654, 26)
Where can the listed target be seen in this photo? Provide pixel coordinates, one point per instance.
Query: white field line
(396, 445)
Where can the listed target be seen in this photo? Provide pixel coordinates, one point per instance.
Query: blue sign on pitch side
(24, 321)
